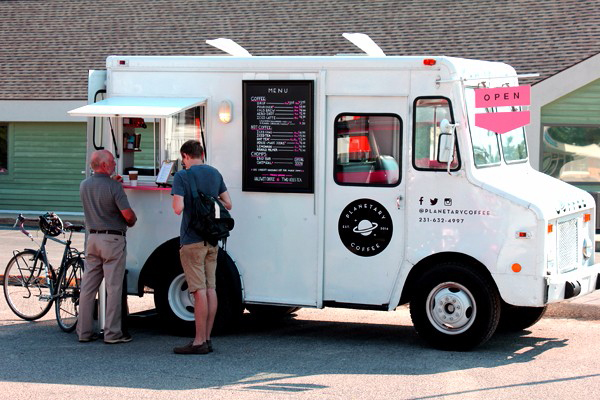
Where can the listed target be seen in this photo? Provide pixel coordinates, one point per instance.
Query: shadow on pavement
(257, 357)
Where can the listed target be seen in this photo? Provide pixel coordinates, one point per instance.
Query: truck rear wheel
(268, 312)
(175, 305)
(515, 319)
(454, 307)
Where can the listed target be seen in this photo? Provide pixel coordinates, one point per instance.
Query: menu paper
(165, 171)
(278, 136)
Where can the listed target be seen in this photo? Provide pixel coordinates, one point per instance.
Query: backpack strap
(195, 195)
(192, 182)
(194, 189)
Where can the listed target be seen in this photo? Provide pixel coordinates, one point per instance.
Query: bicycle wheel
(67, 298)
(27, 288)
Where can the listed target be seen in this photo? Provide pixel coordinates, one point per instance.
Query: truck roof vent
(365, 43)
(229, 47)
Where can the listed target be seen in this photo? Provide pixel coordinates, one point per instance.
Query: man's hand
(130, 217)
(117, 178)
(226, 200)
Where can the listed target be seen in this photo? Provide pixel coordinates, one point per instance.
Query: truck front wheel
(175, 305)
(454, 307)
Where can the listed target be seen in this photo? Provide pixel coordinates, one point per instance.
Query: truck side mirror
(445, 153)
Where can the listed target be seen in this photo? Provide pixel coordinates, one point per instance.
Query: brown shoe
(122, 339)
(191, 349)
(92, 338)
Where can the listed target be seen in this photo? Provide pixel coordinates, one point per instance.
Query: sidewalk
(586, 307)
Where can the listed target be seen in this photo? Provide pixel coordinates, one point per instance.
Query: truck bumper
(573, 284)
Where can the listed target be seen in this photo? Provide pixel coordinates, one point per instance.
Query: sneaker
(122, 339)
(92, 338)
(191, 349)
(209, 344)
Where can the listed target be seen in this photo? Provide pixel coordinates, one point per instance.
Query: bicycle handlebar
(20, 222)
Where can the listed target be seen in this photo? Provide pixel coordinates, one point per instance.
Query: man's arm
(226, 200)
(177, 204)
(130, 217)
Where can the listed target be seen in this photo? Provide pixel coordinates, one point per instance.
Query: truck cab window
(428, 113)
(182, 127)
(367, 149)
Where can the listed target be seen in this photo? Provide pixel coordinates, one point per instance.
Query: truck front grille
(568, 254)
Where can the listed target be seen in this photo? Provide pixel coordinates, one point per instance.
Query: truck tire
(268, 312)
(175, 305)
(515, 319)
(454, 307)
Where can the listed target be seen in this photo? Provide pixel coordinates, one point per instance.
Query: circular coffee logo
(365, 227)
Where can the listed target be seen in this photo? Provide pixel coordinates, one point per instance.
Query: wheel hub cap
(451, 308)
(180, 300)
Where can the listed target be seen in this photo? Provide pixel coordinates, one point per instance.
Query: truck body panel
(367, 226)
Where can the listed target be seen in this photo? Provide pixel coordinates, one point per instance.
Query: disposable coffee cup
(133, 178)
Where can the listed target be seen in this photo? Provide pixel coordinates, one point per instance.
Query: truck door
(364, 198)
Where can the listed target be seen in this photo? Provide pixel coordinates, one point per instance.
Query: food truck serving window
(140, 145)
(141, 122)
(367, 149)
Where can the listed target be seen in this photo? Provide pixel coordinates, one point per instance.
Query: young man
(198, 258)
(107, 216)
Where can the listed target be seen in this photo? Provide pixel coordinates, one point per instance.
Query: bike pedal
(45, 298)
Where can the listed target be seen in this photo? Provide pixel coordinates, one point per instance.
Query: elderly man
(107, 216)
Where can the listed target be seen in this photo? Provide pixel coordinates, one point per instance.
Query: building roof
(47, 46)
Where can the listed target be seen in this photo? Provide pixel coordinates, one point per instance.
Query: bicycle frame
(51, 274)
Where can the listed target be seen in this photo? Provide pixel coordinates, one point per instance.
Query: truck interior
(367, 148)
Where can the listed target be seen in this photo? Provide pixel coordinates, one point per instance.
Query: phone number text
(442, 220)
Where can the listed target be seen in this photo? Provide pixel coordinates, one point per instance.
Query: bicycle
(32, 285)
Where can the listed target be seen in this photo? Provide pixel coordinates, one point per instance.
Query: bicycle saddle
(73, 227)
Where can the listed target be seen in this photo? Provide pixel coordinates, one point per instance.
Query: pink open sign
(503, 96)
(502, 122)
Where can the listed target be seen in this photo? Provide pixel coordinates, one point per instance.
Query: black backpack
(210, 219)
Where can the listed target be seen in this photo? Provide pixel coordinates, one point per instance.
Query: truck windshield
(486, 149)
(487, 144)
(514, 147)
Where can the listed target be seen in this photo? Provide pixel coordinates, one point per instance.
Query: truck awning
(140, 107)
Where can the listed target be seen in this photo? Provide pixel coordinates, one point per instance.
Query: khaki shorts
(199, 264)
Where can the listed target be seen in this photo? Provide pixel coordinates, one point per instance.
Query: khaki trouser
(104, 258)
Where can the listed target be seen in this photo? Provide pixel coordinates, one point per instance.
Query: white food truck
(357, 182)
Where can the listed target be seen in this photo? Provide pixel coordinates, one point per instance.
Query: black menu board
(278, 136)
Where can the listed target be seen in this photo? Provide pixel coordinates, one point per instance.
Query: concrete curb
(586, 307)
(574, 310)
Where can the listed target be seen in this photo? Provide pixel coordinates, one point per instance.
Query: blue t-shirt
(209, 181)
